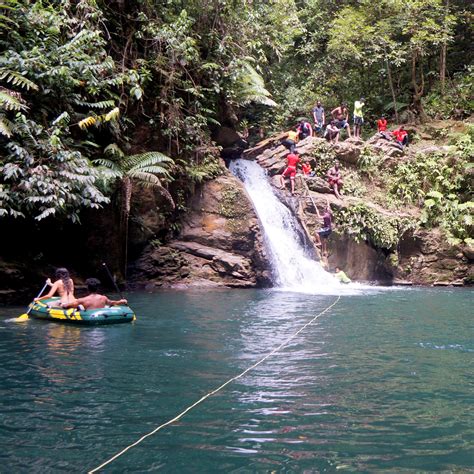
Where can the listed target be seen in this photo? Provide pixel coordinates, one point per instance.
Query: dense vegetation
(89, 87)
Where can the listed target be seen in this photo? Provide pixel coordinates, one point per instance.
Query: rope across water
(218, 389)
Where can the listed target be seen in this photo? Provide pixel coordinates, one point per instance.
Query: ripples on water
(381, 382)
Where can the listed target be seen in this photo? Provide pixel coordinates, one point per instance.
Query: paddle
(113, 280)
(25, 316)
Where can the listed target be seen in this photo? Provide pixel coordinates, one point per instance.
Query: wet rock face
(219, 245)
(427, 258)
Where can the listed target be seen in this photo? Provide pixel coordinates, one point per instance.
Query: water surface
(384, 381)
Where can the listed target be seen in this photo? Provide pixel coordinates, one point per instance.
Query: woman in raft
(63, 286)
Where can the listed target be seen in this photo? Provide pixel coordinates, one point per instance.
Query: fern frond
(114, 150)
(6, 126)
(8, 102)
(145, 179)
(109, 164)
(87, 122)
(17, 79)
(149, 158)
(103, 104)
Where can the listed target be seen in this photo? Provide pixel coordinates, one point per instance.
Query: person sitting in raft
(94, 300)
(401, 137)
(332, 132)
(304, 130)
(63, 286)
(335, 179)
(292, 161)
(341, 276)
(291, 140)
(341, 116)
(325, 231)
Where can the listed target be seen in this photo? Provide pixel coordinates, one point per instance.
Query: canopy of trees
(79, 78)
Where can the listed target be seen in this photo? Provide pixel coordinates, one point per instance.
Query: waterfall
(292, 268)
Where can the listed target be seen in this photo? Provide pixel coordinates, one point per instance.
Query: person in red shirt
(382, 124)
(292, 160)
(401, 136)
(306, 168)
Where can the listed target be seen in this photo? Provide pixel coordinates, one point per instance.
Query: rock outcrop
(423, 257)
(219, 244)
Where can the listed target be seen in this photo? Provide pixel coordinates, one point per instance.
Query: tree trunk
(392, 88)
(417, 89)
(442, 59)
(442, 67)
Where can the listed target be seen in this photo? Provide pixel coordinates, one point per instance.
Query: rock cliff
(421, 256)
(220, 244)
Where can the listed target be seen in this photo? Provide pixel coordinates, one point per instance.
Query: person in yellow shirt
(291, 140)
(341, 276)
(358, 116)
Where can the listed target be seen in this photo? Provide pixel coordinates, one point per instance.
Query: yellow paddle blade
(23, 317)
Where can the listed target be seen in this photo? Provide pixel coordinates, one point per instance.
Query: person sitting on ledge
(332, 132)
(341, 276)
(306, 168)
(335, 179)
(401, 137)
(94, 300)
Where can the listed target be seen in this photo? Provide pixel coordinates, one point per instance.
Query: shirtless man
(341, 116)
(335, 179)
(63, 286)
(94, 300)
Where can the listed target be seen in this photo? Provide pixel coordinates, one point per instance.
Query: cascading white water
(292, 268)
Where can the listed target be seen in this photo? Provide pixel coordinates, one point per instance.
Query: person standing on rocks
(335, 179)
(319, 118)
(358, 116)
(292, 161)
(341, 116)
(325, 231)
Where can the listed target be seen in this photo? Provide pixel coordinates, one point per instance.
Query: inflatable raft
(112, 315)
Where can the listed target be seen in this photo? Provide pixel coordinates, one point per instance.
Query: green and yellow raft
(113, 315)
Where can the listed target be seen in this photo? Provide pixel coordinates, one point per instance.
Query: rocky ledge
(220, 244)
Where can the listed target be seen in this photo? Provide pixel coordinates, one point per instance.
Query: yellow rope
(176, 418)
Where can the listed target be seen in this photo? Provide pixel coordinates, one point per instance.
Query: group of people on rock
(340, 122)
(334, 177)
(64, 288)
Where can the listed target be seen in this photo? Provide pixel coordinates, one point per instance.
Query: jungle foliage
(82, 79)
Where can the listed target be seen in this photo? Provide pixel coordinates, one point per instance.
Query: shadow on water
(381, 382)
